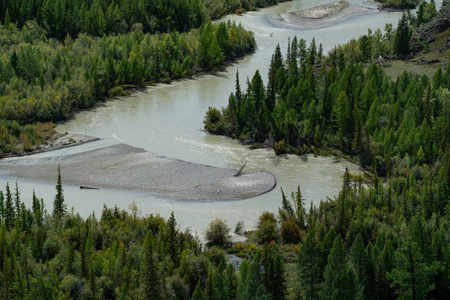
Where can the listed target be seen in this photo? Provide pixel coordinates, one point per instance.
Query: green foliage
(400, 4)
(339, 279)
(46, 80)
(402, 36)
(59, 207)
(267, 228)
(343, 105)
(116, 256)
(309, 270)
(218, 233)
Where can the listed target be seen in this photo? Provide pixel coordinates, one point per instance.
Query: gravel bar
(125, 167)
(324, 15)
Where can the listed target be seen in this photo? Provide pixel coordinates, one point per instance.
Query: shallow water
(167, 120)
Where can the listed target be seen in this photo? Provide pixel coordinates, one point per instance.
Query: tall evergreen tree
(309, 268)
(410, 275)
(2, 207)
(359, 260)
(340, 281)
(150, 272)
(59, 207)
(9, 209)
(402, 36)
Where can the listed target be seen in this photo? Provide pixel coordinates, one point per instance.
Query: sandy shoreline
(124, 167)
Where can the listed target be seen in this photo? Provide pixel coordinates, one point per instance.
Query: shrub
(267, 228)
(218, 233)
(290, 232)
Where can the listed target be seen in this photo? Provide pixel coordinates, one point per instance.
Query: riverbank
(124, 167)
(55, 142)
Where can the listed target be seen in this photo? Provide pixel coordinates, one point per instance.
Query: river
(167, 120)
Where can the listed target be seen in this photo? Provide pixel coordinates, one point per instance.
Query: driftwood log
(240, 170)
(83, 187)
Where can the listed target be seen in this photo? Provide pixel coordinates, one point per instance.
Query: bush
(267, 228)
(218, 233)
(279, 148)
(290, 232)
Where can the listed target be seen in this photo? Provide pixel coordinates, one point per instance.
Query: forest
(47, 75)
(384, 236)
(111, 17)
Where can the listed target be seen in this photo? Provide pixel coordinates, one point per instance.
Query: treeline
(400, 4)
(105, 17)
(219, 8)
(312, 102)
(118, 256)
(389, 241)
(42, 79)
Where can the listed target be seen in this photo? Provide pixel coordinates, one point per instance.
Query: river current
(167, 120)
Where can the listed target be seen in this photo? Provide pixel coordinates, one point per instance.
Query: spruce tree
(410, 276)
(309, 268)
(359, 260)
(198, 293)
(59, 207)
(172, 239)
(2, 206)
(402, 37)
(150, 273)
(17, 199)
(9, 209)
(340, 281)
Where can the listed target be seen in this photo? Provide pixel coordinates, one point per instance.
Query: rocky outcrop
(427, 33)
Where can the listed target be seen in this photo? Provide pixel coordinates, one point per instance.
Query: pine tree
(312, 52)
(2, 206)
(230, 283)
(198, 293)
(402, 37)
(342, 116)
(9, 209)
(2, 247)
(340, 281)
(172, 239)
(285, 211)
(440, 252)
(275, 64)
(150, 275)
(309, 268)
(17, 199)
(410, 275)
(59, 207)
(273, 278)
(359, 260)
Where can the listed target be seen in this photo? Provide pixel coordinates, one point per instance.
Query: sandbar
(324, 15)
(125, 167)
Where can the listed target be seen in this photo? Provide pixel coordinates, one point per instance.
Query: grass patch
(397, 67)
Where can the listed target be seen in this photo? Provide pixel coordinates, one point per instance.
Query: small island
(125, 167)
(324, 15)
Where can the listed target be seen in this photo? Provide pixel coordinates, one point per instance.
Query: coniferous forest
(385, 236)
(57, 57)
